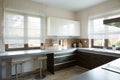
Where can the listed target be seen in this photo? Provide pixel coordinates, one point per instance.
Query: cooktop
(113, 66)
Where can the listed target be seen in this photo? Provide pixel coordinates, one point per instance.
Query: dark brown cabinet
(61, 60)
(92, 60)
(67, 58)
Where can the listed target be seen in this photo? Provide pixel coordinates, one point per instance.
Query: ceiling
(73, 5)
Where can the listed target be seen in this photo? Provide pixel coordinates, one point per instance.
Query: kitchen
(51, 37)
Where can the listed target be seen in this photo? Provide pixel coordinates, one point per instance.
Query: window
(114, 40)
(34, 32)
(103, 35)
(98, 42)
(96, 32)
(14, 30)
(22, 31)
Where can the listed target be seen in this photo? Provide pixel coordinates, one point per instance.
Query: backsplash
(85, 42)
(65, 43)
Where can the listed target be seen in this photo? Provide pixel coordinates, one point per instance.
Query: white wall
(1, 26)
(34, 7)
(105, 8)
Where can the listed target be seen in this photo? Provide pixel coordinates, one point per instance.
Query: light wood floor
(62, 74)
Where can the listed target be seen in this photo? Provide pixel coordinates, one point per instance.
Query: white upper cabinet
(62, 27)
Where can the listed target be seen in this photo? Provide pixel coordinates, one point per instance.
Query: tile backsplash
(84, 42)
(66, 43)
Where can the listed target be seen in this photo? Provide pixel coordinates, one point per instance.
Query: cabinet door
(61, 60)
(62, 27)
(53, 27)
(84, 60)
(74, 28)
(91, 60)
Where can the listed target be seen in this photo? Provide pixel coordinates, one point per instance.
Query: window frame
(105, 44)
(106, 41)
(26, 47)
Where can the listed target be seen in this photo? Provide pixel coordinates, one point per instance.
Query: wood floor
(60, 75)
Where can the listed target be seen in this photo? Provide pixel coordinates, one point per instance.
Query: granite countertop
(34, 52)
(41, 52)
(108, 52)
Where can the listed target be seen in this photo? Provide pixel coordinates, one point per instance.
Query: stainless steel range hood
(112, 22)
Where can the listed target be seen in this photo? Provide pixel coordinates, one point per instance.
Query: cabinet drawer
(64, 65)
(60, 59)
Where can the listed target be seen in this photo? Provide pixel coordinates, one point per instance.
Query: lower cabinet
(61, 60)
(92, 60)
(67, 58)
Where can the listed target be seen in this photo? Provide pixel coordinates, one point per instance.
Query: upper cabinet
(62, 27)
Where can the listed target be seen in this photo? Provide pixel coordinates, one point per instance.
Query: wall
(37, 8)
(102, 9)
(1, 26)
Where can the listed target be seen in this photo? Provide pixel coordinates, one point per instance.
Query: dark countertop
(99, 74)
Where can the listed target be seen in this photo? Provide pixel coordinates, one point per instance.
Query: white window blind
(34, 31)
(23, 29)
(98, 31)
(14, 30)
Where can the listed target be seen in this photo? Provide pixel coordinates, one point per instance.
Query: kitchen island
(107, 71)
(100, 73)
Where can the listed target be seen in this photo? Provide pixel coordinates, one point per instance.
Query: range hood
(112, 22)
